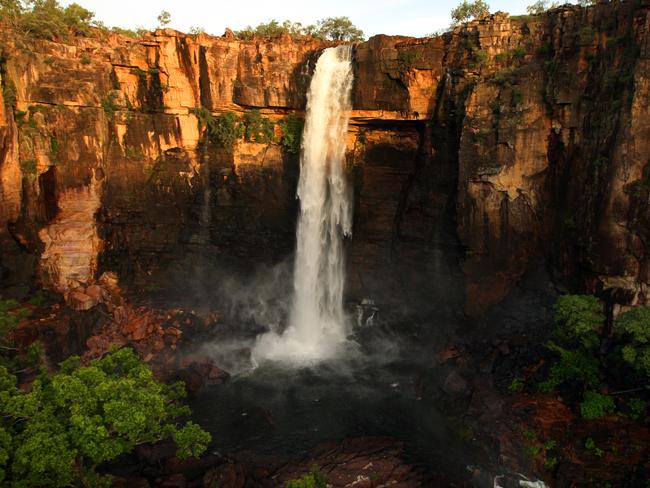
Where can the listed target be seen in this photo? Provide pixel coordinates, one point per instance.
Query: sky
(405, 17)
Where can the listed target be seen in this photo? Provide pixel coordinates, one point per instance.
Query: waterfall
(317, 325)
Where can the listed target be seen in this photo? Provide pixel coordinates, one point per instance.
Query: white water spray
(317, 326)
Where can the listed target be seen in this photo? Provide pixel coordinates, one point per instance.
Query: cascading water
(317, 323)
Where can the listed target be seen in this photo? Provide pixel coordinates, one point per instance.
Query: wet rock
(174, 481)
(226, 476)
(455, 385)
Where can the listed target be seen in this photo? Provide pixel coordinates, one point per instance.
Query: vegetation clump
(313, 479)
(70, 422)
(227, 128)
(589, 356)
(331, 28)
(291, 138)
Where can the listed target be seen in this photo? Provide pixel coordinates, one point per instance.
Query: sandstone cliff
(471, 153)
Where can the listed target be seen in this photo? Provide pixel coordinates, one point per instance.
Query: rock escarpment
(471, 153)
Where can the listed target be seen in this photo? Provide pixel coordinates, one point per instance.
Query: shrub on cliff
(634, 325)
(257, 128)
(291, 129)
(579, 318)
(70, 422)
(313, 479)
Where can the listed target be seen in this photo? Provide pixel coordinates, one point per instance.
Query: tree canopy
(70, 422)
(332, 28)
(469, 10)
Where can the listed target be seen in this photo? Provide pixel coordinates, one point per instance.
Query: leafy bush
(635, 324)
(590, 444)
(637, 408)
(291, 138)
(108, 104)
(579, 318)
(516, 385)
(313, 479)
(70, 422)
(257, 128)
(576, 367)
(594, 405)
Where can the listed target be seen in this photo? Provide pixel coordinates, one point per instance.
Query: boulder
(80, 301)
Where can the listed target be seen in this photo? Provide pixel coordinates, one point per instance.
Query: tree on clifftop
(469, 10)
(164, 18)
(339, 29)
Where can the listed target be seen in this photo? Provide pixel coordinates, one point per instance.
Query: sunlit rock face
(469, 154)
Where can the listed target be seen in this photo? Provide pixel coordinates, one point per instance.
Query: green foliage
(545, 49)
(11, 313)
(108, 104)
(516, 386)
(273, 29)
(8, 92)
(575, 367)
(291, 128)
(517, 98)
(637, 408)
(635, 325)
(540, 7)
(129, 32)
(469, 10)
(28, 166)
(257, 128)
(47, 19)
(339, 29)
(333, 28)
(313, 479)
(164, 18)
(504, 77)
(76, 419)
(8, 86)
(590, 444)
(225, 129)
(516, 53)
(579, 318)
(594, 405)
(85, 59)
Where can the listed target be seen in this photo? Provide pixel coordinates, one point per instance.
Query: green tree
(339, 29)
(635, 324)
(72, 421)
(10, 11)
(164, 18)
(291, 129)
(78, 18)
(540, 7)
(469, 10)
(579, 318)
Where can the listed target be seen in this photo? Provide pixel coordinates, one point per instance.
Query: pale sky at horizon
(406, 17)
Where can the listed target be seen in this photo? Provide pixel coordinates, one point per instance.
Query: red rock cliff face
(507, 139)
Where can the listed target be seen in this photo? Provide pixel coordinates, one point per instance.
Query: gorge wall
(471, 153)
